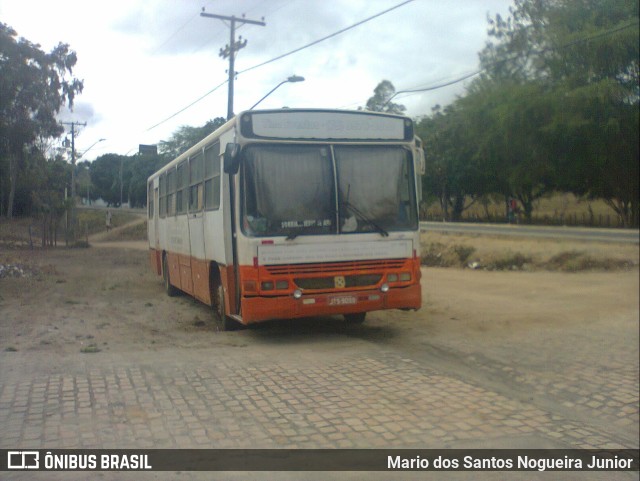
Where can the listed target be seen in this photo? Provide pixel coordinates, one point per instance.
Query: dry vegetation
(22, 232)
(556, 209)
(506, 253)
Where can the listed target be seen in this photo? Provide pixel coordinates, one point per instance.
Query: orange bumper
(256, 309)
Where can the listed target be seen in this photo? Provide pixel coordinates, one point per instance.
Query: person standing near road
(108, 220)
(513, 211)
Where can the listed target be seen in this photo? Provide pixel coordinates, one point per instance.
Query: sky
(143, 61)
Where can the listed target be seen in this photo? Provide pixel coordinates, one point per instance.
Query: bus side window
(212, 177)
(150, 203)
(182, 190)
(171, 192)
(195, 182)
(162, 208)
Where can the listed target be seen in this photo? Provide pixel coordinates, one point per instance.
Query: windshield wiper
(364, 218)
(292, 235)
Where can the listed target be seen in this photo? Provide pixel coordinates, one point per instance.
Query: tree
(187, 136)
(84, 186)
(578, 61)
(49, 179)
(140, 168)
(34, 86)
(512, 118)
(452, 174)
(381, 100)
(105, 176)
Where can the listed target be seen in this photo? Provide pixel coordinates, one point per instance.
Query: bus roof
(324, 125)
(309, 125)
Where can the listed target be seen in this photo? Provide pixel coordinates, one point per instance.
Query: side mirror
(231, 158)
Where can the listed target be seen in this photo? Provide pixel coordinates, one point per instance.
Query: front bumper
(257, 309)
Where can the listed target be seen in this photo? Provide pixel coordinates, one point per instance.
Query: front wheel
(357, 318)
(226, 323)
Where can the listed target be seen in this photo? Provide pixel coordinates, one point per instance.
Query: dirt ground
(104, 298)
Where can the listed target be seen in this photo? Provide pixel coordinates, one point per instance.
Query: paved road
(574, 233)
(362, 395)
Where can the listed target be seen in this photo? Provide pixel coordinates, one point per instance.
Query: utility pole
(231, 48)
(73, 175)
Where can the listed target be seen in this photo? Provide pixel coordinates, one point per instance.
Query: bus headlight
(384, 287)
(297, 294)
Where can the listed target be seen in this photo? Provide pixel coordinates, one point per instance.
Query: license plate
(342, 300)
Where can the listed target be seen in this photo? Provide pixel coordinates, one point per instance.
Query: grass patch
(90, 349)
(575, 261)
(81, 244)
(501, 253)
(135, 232)
(437, 254)
(92, 221)
(463, 252)
(510, 262)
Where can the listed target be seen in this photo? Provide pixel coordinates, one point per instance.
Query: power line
(178, 30)
(325, 38)
(514, 57)
(439, 86)
(188, 106)
(279, 57)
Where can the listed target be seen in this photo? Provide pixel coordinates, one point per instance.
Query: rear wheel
(226, 323)
(169, 288)
(357, 318)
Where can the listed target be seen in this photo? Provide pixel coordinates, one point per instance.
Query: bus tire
(357, 318)
(226, 323)
(169, 288)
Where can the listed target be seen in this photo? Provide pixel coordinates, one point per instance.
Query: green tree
(34, 86)
(140, 168)
(575, 66)
(186, 137)
(452, 174)
(507, 125)
(49, 179)
(381, 100)
(84, 186)
(105, 176)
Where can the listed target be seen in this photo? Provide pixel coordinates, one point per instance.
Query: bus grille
(336, 268)
(365, 280)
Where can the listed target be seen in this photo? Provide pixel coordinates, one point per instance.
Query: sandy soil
(106, 298)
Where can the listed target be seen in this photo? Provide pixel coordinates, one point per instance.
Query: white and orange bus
(292, 213)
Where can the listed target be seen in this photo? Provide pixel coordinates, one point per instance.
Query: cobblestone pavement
(233, 397)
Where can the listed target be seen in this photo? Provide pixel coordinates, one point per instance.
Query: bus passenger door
(156, 227)
(199, 268)
(153, 229)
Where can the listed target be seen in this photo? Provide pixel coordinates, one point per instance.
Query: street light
(92, 146)
(293, 78)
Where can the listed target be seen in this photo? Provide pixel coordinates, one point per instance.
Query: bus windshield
(292, 190)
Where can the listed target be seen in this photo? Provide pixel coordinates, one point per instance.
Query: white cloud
(144, 60)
